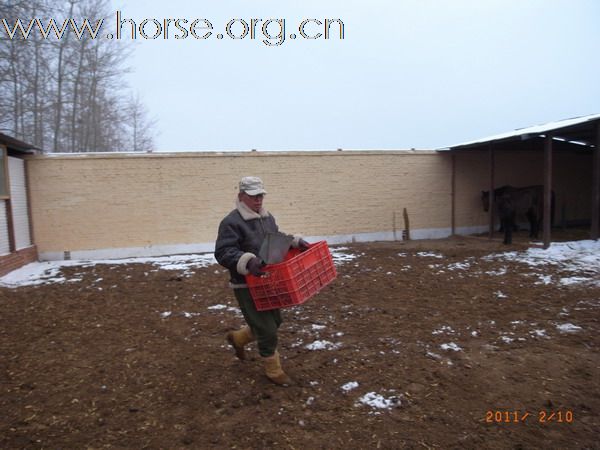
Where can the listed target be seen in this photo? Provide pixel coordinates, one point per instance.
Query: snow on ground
(451, 346)
(50, 271)
(568, 328)
(340, 255)
(580, 257)
(378, 401)
(322, 345)
(430, 255)
(349, 386)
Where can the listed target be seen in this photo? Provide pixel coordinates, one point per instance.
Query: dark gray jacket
(241, 234)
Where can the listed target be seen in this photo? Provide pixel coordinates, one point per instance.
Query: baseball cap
(252, 186)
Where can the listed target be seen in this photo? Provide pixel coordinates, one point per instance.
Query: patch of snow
(459, 266)
(322, 345)
(451, 346)
(580, 257)
(430, 255)
(166, 314)
(568, 328)
(434, 355)
(444, 329)
(349, 386)
(572, 280)
(217, 307)
(544, 279)
(538, 333)
(339, 256)
(33, 274)
(48, 271)
(378, 401)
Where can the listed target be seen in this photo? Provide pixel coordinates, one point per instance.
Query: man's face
(254, 202)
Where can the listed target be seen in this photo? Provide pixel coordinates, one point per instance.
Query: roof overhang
(577, 131)
(19, 146)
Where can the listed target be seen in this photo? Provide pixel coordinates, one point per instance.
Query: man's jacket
(241, 234)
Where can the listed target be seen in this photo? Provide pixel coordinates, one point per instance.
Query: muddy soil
(419, 344)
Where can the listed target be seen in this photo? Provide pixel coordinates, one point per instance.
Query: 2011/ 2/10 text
(516, 416)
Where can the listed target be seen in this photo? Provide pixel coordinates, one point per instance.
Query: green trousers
(264, 324)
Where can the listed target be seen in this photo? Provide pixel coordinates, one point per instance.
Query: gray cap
(252, 186)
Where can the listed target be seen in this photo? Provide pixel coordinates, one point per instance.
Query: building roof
(577, 130)
(15, 144)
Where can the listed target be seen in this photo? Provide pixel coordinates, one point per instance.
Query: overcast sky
(407, 74)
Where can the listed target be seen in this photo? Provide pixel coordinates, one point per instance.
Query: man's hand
(254, 267)
(303, 245)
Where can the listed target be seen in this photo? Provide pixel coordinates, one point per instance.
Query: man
(241, 234)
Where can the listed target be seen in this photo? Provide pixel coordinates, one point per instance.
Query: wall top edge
(249, 154)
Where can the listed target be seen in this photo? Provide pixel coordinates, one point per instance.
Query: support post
(492, 200)
(453, 196)
(595, 232)
(547, 189)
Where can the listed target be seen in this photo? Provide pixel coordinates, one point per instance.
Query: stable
(562, 156)
(16, 236)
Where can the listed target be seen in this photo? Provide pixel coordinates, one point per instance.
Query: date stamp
(517, 416)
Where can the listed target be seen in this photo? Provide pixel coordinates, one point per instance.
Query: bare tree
(68, 93)
(60, 75)
(142, 129)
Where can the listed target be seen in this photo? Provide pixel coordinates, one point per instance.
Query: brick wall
(161, 202)
(117, 205)
(17, 259)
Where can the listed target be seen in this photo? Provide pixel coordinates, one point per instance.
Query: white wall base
(465, 231)
(129, 252)
(209, 247)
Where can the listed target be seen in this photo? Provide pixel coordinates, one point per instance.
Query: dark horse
(513, 202)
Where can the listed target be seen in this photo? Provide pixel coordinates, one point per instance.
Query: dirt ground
(462, 352)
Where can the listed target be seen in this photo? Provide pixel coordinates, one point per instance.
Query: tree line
(68, 94)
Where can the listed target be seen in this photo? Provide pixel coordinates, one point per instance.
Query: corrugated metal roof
(533, 131)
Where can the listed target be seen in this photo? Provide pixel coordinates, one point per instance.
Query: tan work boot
(237, 339)
(274, 371)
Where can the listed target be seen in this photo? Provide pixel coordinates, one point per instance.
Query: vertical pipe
(547, 188)
(595, 232)
(453, 196)
(491, 198)
(29, 207)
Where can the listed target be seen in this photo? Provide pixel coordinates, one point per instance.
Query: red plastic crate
(294, 280)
